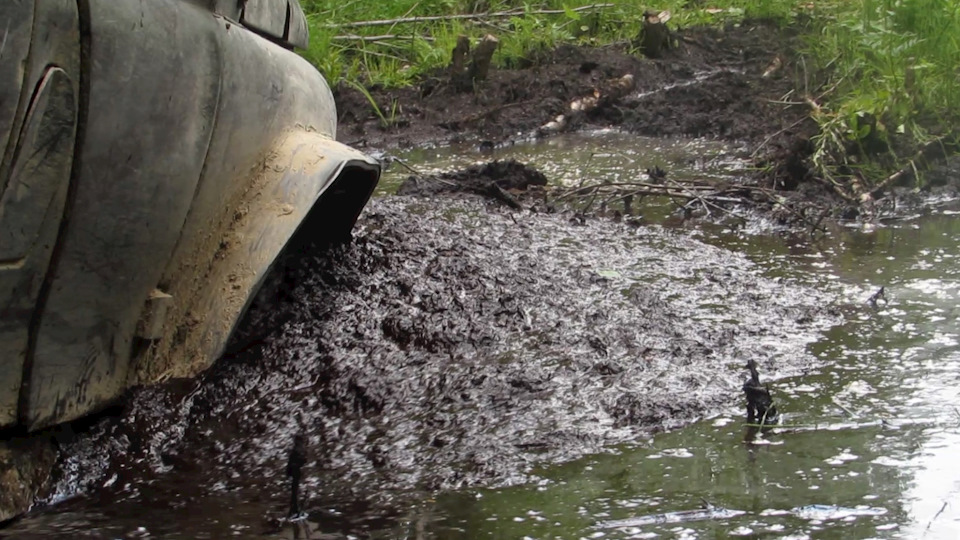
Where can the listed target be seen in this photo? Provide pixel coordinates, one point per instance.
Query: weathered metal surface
(41, 166)
(142, 154)
(16, 27)
(230, 9)
(298, 34)
(30, 210)
(36, 172)
(204, 147)
(270, 177)
(266, 16)
(150, 326)
(54, 34)
(281, 194)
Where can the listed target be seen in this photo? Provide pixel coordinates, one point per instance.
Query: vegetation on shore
(880, 77)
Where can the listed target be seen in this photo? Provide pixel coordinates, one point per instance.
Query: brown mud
(478, 179)
(454, 343)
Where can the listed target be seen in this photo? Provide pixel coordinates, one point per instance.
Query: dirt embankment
(711, 85)
(726, 83)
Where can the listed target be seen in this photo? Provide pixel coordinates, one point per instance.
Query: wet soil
(712, 85)
(478, 179)
(454, 343)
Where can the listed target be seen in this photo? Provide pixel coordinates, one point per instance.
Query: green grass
(893, 79)
(883, 73)
(424, 47)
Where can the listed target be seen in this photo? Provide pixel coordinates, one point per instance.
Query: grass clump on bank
(880, 77)
(892, 90)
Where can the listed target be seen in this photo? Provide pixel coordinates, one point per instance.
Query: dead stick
(384, 37)
(496, 14)
(588, 189)
(498, 193)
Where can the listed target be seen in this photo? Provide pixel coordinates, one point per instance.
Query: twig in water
(877, 296)
(496, 192)
(816, 224)
(405, 165)
(596, 192)
(935, 150)
(836, 402)
(942, 508)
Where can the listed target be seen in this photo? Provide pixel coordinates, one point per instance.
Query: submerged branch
(932, 152)
(708, 196)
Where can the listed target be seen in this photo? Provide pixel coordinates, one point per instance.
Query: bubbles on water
(672, 453)
(858, 388)
(842, 458)
(821, 513)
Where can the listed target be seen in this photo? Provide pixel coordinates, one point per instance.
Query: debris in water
(760, 405)
(877, 296)
(490, 180)
(824, 512)
(709, 511)
(656, 174)
(295, 463)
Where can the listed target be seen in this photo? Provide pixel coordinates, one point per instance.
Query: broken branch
(465, 16)
(384, 37)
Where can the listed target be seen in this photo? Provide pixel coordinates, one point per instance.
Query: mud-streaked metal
(39, 111)
(139, 241)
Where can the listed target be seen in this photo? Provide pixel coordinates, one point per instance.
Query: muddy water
(606, 155)
(523, 407)
(869, 443)
(870, 440)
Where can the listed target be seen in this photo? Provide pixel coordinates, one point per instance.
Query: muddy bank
(738, 83)
(712, 85)
(451, 345)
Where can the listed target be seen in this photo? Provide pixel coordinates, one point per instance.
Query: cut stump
(655, 36)
(466, 67)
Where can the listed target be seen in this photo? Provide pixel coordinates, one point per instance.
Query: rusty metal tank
(157, 157)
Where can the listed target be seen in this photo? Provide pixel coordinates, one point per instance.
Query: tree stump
(458, 64)
(464, 75)
(655, 36)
